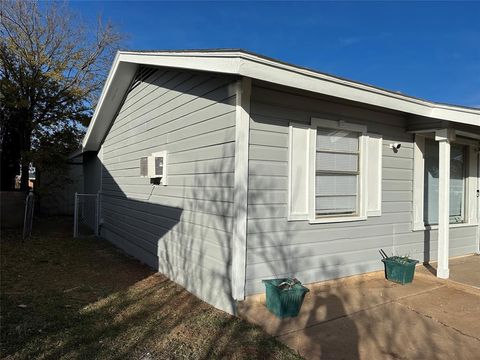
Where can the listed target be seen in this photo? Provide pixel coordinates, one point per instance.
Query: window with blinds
(336, 172)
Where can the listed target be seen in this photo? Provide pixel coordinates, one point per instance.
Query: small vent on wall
(143, 73)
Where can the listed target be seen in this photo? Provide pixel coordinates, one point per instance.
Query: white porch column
(444, 137)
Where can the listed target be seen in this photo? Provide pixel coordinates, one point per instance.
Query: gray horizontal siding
(184, 229)
(315, 252)
(143, 209)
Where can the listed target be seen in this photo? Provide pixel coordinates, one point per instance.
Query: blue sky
(429, 50)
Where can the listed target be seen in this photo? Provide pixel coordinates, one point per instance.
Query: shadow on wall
(345, 333)
(192, 252)
(184, 242)
(184, 231)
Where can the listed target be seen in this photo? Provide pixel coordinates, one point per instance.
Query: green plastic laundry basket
(286, 301)
(399, 270)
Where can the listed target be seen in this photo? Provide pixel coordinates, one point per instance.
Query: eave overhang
(241, 63)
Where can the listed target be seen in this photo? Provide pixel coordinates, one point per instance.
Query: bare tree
(52, 67)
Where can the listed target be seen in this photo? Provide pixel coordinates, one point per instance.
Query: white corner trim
(100, 156)
(240, 196)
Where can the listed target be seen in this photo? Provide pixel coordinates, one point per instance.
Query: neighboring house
(31, 178)
(222, 168)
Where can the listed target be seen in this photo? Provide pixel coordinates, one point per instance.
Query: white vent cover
(157, 166)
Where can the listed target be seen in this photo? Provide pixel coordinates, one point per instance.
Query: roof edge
(252, 56)
(248, 64)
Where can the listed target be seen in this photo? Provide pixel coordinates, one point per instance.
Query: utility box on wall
(155, 167)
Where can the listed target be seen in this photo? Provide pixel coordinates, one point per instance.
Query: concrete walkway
(367, 317)
(464, 270)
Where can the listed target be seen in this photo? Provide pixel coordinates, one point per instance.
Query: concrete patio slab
(367, 317)
(450, 306)
(389, 331)
(463, 270)
(466, 270)
(331, 299)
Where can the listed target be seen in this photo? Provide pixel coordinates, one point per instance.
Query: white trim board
(298, 163)
(374, 174)
(240, 197)
(253, 66)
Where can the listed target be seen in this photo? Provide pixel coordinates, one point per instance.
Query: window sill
(421, 227)
(336, 219)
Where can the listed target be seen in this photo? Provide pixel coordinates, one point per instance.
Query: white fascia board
(255, 67)
(227, 63)
(463, 116)
(299, 78)
(100, 101)
(116, 85)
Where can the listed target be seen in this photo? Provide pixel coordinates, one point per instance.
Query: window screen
(144, 166)
(336, 172)
(159, 166)
(457, 183)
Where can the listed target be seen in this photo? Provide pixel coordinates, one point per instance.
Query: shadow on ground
(83, 298)
(367, 317)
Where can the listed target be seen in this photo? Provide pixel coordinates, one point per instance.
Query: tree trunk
(25, 178)
(9, 157)
(26, 136)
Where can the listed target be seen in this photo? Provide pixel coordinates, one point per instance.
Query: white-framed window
(330, 179)
(463, 173)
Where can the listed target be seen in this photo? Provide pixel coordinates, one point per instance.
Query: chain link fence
(86, 215)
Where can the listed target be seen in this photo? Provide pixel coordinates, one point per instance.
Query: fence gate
(28, 216)
(86, 215)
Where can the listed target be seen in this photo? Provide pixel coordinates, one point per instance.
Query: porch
(365, 316)
(464, 271)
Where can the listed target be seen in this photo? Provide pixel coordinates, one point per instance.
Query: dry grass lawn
(84, 299)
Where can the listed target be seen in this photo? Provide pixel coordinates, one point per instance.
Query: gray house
(222, 168)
